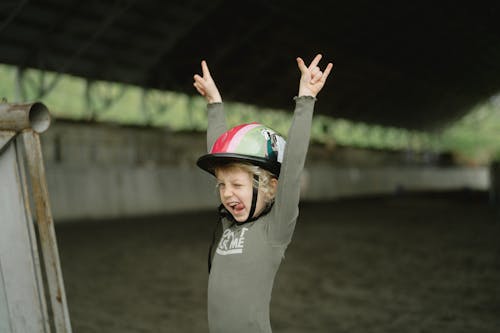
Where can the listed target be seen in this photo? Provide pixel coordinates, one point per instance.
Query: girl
(258, 213)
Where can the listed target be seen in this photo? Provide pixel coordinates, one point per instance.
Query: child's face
(236, 190)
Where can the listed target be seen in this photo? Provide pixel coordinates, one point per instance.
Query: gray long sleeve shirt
(248, 255)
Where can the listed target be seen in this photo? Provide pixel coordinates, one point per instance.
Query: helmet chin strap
(254, 200)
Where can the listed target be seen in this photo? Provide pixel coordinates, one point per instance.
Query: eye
(220, 185)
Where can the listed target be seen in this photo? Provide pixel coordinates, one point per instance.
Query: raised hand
(206, 85)
(312, 79)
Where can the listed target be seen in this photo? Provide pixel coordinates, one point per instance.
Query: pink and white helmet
(253, 143)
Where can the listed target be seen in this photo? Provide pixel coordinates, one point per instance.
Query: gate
(32, 295)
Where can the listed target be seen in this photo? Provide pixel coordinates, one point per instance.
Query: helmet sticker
(280, 147)
(270, 140)
(274, 143)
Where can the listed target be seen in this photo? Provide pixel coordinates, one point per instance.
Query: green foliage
(474, 137)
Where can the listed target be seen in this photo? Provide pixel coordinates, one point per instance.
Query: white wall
(102, 171)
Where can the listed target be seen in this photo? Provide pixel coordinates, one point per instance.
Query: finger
(204, 68)
(315, 61)
(301, 64)
(198, 79)
(327, 71)
(315, 71)
(316, 77)
(199, 89)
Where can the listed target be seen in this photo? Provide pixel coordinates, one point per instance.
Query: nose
(226, 191)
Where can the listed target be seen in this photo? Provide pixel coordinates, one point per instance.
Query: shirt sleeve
(286, 206)
(216, 123)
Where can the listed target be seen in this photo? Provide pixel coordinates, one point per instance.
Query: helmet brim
(209, 162)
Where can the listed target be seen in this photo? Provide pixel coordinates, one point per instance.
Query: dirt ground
(406, 263)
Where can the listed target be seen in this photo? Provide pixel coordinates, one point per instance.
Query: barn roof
(416, 64)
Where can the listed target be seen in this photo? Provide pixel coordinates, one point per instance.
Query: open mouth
(237, 208)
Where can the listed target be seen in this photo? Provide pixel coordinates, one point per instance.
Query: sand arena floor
(408, 263)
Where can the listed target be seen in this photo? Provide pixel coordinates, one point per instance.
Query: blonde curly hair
(263, 183)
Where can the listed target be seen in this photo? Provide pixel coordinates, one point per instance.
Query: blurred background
(400, 212)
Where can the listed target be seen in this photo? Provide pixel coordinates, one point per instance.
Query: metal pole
(32, 236)
(17, 117)
(46, 230)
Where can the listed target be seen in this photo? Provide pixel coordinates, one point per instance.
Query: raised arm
(286, 210)
(207, 88)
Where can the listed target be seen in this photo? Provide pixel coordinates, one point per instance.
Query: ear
(274, 185)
